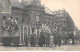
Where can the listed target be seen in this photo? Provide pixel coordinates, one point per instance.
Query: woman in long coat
(51, 41)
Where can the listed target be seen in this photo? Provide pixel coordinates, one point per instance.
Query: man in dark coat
(32, 40)
(26, 40)
(71, 36)
(57, 38)
(41, 39)
(47, 39)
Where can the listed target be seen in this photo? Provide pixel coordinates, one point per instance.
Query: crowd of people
(45, 39)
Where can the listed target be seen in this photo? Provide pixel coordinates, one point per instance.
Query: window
(48, 21)
(52, 22)
(4, 17)
(44, 21)
(17, 18)
(33, 29)
(64, 23)
(61, 12)
(22, 19)
(10, 17)
(55, 26)
(37, 18)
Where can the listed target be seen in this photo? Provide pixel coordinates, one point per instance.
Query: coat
(47, 40)
(51, 41)
(32, 40)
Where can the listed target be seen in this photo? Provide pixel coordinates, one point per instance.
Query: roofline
(14, 7)
(49, 14)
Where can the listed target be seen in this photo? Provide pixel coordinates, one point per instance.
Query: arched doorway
(25, 33)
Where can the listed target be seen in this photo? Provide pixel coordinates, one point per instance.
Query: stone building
(30, 17)
(64, 21)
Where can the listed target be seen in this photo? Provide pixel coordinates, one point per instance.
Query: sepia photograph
(39, 25)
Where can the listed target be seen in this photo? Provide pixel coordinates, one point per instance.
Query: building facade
(64, 21)
(31, 17)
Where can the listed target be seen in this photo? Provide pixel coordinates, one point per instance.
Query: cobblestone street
(22, 48)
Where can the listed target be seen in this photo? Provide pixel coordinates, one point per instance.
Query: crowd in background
(49, 40)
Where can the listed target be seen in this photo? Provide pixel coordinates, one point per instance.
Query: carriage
(9, 33)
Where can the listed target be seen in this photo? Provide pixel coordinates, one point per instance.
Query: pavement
(23, 48)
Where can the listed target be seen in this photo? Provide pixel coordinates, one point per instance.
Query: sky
(71, 6)
(19, 1)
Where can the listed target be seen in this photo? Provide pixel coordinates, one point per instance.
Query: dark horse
(66, 36)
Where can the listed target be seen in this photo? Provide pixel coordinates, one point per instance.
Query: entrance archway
(25, 33)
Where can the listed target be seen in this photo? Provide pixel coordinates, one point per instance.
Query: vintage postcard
(39, 25)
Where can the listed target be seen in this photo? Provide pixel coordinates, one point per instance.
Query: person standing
(26, 40)
(57, 38)
(42, 39)
(32, 40)
(47, 39)
(51, 41)
(35, 40)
